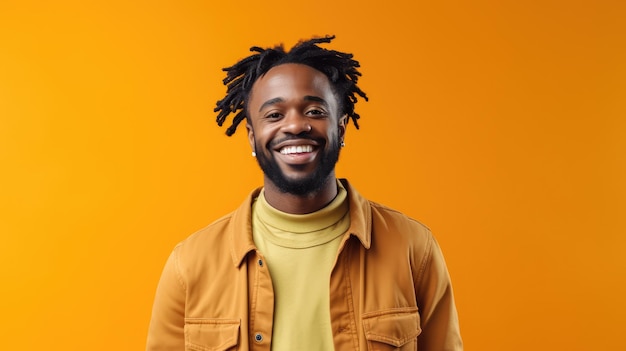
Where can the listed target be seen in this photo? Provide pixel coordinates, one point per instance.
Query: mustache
(275, 142)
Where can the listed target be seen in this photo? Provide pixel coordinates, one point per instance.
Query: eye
(273, 115)
(316, 112)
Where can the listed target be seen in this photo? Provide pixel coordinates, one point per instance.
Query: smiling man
(305, 263)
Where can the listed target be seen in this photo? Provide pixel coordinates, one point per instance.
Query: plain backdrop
(499, 124)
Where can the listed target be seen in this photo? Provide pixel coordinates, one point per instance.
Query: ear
(342, 126)
(250, 136)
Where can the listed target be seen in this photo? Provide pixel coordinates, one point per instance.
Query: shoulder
(231, 228)
(378, 224)
(394, 222)
(398, 235)
(207, 244)
(210, 232)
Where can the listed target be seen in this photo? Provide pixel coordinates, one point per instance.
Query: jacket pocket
(394, 329)
(203, 334)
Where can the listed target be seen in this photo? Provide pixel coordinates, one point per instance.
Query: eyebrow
(270, 102)
(306, 98)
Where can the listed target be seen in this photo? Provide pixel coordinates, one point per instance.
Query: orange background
(500, 124)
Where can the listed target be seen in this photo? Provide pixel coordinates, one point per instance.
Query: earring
(343, 144)
(253, 154)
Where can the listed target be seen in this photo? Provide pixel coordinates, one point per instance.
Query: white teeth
(288, 150)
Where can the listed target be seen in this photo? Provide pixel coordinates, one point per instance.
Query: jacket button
(260, 262)
(258, 337)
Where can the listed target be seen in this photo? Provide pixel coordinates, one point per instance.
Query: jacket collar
(240, 226)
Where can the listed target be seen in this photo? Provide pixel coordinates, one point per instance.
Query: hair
(339, 67)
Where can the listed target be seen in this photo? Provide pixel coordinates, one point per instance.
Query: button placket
(261, 303)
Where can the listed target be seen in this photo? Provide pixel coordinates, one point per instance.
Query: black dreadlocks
(339, 67)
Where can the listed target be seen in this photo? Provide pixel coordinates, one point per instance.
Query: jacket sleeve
(167, 324)
(438, 315)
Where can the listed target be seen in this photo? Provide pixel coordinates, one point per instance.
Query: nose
(296, 123)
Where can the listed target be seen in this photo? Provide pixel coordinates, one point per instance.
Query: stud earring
(343, 144)
(253, 154)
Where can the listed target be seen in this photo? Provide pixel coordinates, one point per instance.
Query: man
(305, 263)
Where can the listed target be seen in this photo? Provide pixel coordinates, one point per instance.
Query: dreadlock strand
(238, 118)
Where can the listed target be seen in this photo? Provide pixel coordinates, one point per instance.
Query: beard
(301, 186)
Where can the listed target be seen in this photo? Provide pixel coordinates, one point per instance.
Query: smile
(296, 149)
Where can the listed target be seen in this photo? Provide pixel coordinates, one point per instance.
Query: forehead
(288, 81)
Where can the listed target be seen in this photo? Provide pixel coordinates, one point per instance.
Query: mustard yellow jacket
(389, 288)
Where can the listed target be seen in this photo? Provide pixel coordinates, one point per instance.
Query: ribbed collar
(302, 230)
(240, 227)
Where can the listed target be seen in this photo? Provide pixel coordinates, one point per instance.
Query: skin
(294, 105)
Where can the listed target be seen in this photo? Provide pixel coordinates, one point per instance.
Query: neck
(301, 204)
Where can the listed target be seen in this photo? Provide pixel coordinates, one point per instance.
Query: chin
(301, 187)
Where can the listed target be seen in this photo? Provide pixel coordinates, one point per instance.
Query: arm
(439, 320)
(166, 330)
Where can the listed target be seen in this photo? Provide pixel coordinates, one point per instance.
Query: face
(294, 128)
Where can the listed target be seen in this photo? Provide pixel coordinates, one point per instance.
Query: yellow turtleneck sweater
(299, 251)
